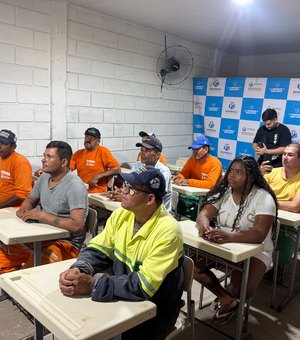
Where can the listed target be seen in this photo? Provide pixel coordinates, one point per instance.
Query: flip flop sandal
(215, 305)
(223, 319)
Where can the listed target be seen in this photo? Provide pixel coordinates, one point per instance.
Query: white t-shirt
(258, 202)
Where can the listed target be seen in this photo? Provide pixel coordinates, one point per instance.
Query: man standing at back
(271, 139)
(201, 170)
(95, 164)
(15, 172)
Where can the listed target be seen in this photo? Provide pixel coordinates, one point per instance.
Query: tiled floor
(264, 322)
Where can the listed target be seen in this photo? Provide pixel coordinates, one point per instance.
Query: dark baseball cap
(143, 134)
(7, 137)
(150, 142)
(148, 176)
(93, 132)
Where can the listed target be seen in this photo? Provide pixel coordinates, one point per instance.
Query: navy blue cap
(198, 142)
(7, 137)
(148, 176)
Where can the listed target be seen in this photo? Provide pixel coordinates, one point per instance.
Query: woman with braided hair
(241, 208)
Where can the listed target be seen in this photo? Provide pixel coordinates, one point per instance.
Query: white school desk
(102, 201)
(37, 290)
(191, 191)
(233, 252)
(13, 230)
(293, 220)
(174, 167)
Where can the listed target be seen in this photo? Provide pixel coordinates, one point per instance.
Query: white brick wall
(64, 68)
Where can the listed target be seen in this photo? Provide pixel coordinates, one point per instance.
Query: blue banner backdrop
(228, 111)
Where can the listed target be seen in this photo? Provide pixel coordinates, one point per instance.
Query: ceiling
(263, 27)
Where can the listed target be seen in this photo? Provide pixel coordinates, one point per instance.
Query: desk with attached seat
(37, 290)
(13, 230)
(233, 253)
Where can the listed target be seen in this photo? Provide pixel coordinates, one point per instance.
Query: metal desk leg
(38, 330)
(37, 253)
(3, 295)
(292, 292)
(239, 326)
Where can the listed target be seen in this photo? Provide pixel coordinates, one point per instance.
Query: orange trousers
(15, 257)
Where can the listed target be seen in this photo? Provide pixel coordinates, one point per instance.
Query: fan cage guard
(174, 54)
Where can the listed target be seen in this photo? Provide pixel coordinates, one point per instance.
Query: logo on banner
(231, 105)
(251, 109)
(200, 85)
(255, 87)
(244, 148)
(292, 113)
(277, 88)
(234, 87)
(247, 130)
(198, 124)
(216, 83)
(216, 87)
(213, 106)
(294, 134)
(211, 128)
(229, 128)
(226, 147)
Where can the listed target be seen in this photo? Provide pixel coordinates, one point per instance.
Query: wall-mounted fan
(174, 65)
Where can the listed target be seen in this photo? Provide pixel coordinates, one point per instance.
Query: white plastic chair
(185, 321)
(90, 225)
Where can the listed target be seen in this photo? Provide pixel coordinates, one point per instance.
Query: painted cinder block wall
(64, 68)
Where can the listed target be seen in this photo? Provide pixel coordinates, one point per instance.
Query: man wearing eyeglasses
(151, 149)
(142, 245)
(202, 170)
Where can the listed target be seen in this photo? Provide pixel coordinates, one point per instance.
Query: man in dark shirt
(271, 139)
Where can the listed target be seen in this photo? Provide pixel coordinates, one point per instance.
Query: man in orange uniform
(201, 170)
(95, 164)
(15, 172)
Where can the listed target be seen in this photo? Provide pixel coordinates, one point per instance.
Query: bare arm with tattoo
(74, 223)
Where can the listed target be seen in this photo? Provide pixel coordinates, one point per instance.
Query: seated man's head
(143, 188)
(91, 138)
(291, 157)
(269, 117)
(151, 149)
(200, 147)
(8, 142)
(57, 157)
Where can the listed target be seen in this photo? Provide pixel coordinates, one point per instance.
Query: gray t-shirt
(67, 195)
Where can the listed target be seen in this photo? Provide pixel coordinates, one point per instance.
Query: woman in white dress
(242, 208)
